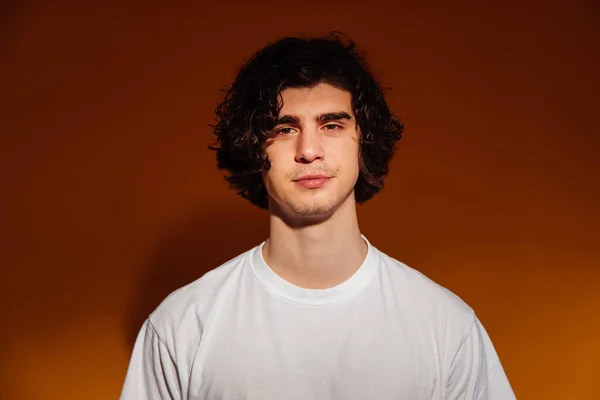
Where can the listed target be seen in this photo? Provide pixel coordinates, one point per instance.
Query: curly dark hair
(247, 114)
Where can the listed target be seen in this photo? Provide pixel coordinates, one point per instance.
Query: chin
(302, 215)
(314, 206)
(313, 210)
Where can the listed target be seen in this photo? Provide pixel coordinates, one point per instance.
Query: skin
(314, 240)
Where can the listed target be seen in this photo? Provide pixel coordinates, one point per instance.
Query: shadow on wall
(216, 235)
(11, 12)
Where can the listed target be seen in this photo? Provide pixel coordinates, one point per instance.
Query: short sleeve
(152, 372)
(476, 372)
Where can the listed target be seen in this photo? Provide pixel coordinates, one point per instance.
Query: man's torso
(394, 337)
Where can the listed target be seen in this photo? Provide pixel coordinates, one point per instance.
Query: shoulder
(185, 311)
(427, 298)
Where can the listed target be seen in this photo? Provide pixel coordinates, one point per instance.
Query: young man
(316, 311)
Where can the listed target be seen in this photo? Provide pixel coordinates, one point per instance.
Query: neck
(318, 255)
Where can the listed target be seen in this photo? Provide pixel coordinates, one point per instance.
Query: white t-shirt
(243, 332)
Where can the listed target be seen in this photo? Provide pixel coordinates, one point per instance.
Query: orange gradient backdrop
(111, 199)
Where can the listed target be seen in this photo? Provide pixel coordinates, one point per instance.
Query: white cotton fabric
(243, 332)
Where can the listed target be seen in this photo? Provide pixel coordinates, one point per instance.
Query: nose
(309, 147)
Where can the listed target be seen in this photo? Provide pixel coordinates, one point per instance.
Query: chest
(348, 352)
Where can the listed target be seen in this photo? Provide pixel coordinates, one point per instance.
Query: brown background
(110, 198)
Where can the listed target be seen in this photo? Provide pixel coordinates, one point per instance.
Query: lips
(312, 181)
(308, 177)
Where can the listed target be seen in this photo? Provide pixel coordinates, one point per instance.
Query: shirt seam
(293, 300)
(460, 347)
(289, 299)
(189, 379)
(162, 342)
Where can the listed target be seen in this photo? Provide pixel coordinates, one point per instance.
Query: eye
(284, 131)
(332, 127)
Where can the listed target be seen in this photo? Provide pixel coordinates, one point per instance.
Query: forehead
(314, 100)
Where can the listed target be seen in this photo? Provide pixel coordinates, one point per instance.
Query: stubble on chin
(314, 209)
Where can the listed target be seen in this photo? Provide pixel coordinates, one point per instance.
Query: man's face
(314, 154)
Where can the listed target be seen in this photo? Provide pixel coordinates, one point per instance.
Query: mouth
(312, 181)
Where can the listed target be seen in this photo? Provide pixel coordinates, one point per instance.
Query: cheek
(350, 158)
(274, 177)
(276, 154)
(276, 170)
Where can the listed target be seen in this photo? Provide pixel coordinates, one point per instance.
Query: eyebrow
(331, 116)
